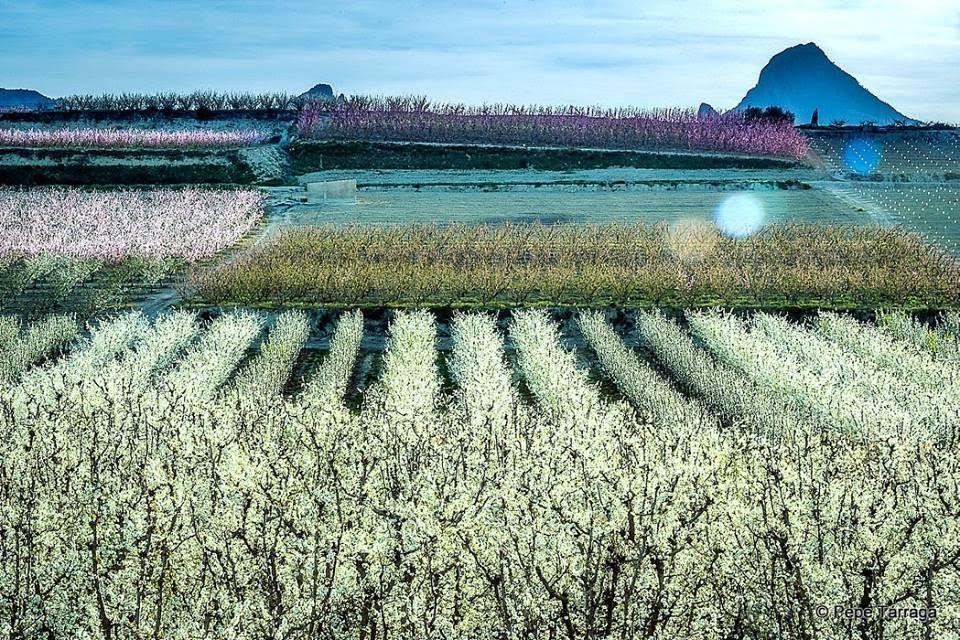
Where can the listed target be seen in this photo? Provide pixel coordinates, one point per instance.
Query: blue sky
(610, 52)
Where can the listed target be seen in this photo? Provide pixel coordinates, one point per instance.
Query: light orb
(740, 215)
(861, 156)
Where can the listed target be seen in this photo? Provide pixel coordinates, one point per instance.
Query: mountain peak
(802, 79)
(322, 91)
(804, 54)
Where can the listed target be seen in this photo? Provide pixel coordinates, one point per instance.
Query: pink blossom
(416, 120)
(129, 138)
(112, 225)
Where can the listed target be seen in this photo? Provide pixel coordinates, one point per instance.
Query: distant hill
(706, 111)
(320, 91)
(24, 99)
(802, 79)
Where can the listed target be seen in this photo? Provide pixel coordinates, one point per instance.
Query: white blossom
(156, 482)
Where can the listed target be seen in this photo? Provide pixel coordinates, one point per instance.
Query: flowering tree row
(655, 397)
(141, 497)
(486, 394)
(92, 138)
(193, 101)
(21, 348)
(629, 265)
(942, 342)
(658, 129)
(264, 375)
(735, 397)
(856, 394)
(329, 381)
(113, 225)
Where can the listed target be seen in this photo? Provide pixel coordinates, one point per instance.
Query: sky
(645, 53)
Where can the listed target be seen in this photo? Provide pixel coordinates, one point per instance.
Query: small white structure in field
(332, 190)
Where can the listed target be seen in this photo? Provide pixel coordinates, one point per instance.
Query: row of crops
(417, 120)
(171, 101)
(86, 251)
(409, 119)
(164, 478)
(629, 265)
(40, 284)
(127, 138)
(151, 121)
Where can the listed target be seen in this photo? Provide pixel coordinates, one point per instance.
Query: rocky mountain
(706, 111)
(802, 80)
(320, 91)
(24, 99)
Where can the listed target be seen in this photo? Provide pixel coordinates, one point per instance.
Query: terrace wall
(31, 167)
(318, 156)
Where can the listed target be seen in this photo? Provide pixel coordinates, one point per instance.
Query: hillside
(802, 79)
(24, 99)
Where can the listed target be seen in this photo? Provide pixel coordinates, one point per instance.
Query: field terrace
(417, 120)
(625, 265)
(84, 250)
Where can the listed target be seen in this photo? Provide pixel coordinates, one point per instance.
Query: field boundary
(34, 166)
(308, 156)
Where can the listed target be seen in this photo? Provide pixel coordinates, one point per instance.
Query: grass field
(590, 203)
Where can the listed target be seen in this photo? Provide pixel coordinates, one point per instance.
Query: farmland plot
(932, 209)
(906, 178)
(112, 225)
(552, 203)
(88, 250)
(908, 155)
(417, 119)
(627, 265)
(93, 138)
(156, 477)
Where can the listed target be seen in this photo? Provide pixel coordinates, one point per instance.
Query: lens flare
(861, 156)
(739, 215)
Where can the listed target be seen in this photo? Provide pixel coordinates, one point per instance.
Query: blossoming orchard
(416, 119)
(307, 365)
(181, 484)
(112, 225)
(129, 138)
